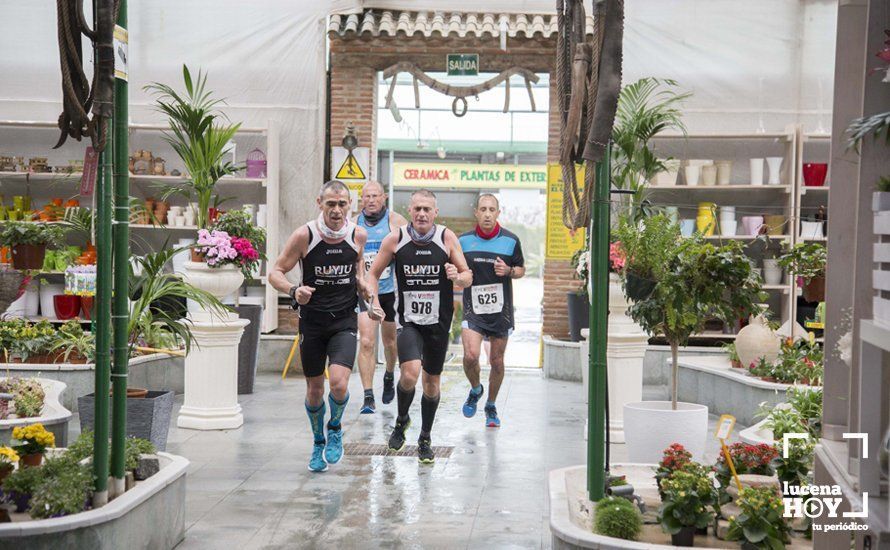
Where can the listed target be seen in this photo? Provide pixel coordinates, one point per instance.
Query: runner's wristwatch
(293, 297)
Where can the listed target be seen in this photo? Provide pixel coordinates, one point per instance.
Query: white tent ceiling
(267, 58)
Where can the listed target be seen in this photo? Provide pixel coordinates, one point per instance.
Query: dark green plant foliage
(15, 233)
(689, 498)
(760, 521)
(617, 517)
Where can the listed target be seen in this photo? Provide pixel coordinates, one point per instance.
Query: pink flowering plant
(233, 239)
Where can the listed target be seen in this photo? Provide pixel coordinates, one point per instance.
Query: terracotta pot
(66, 306)
(814, 291)
(136, 393)
(32, 460)
(28, 256)
(736, 364)
(5, 470)
(86, 307)
(198, 256)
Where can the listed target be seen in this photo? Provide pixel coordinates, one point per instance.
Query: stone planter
(651, 426)
(147, 418)
(561, 359)
(248, 349)
(151, 515)
(54, 416)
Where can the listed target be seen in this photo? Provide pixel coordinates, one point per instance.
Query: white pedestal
(625, 352)
(211, 374)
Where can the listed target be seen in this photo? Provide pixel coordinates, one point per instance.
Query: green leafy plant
(23, 481)
(137, 446)
(797, 467)
(646, 108)
(806, 260)
(580, 268)
(691, 280)
(617, 517)
(883, 184)
(760, 522)
(729, 348)
(74, 344)
(81, 448)
(30, 339)
(33, 233)
(197, 137)
(807, 402)
(65, 490)
(237, 223)
(27, 395)
(152, 285)
(674, 458)
(688, 499)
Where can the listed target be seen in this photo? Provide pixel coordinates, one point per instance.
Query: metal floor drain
(371, 449)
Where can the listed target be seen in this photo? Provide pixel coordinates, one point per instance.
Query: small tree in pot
(807, 261)
(691, 281)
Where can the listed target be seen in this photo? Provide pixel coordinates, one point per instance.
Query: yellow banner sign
(469, 176)
(561, 243)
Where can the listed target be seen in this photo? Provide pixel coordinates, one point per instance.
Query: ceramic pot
(218, 281)
(814, 290)
(86, 307)
(752, 224)
(775, 170)
(811, 230)
(31, 460)
(728, 227)
(651, 426)
(724, 172)
(687, 227)
(668, 176)
(772, 273)
(705, 224)
(775, 223)
(692, 174)
(686, 536)
(28, 256)
(673, 213)
(757, 171)
(814, 173)
(66, 306)
(757, 341)
(638, 288)
(709, 174)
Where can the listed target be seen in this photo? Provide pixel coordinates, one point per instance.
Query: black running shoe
(425, 451)
(397, 439)
(369, 406)
(389, 388)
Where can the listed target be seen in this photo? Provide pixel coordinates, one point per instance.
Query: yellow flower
(8, 454)
(682, 493)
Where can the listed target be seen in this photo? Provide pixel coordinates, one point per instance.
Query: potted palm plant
(154, 294)
(199, 138)
(693, 281)
(646, 108)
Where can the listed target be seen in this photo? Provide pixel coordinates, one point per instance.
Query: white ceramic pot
(189, 218)
(261, 215)
(709, 174)
(32, 299)
(757, 341)
(175, 211)
(724, 172)
(218, 281)
(47, 291)
(668, 176)
(652, 426)
(811, 230)
(772, 273)
(756, 171)
(728, 227)
(775, 170)
(687, 227)
(692, 174)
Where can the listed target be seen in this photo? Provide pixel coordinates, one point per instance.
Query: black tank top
(330, 270)
(425, 295)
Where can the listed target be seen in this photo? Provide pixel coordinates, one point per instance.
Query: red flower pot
(814, 173)
(67, 307)
(86, 307)
(31, 461)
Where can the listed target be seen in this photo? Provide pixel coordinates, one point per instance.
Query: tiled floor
(249, 488)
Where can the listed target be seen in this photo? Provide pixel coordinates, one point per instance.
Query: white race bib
(369, 259)
(421, 307)
(488, 298)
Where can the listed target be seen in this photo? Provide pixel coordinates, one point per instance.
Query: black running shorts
(387, 303)
(333, 340)
(429, 344)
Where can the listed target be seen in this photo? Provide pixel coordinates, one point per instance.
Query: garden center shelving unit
(34, 139)
(790, 198)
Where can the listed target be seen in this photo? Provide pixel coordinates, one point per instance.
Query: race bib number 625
(488, 298)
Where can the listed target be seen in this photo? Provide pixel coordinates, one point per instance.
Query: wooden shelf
(814, 239)
(164, 227)
(714, 335)
(746, 237)
(75, 177)
(730, 187)
(752, 135)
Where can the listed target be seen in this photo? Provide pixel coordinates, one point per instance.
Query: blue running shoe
(491, 417)
(333, 451)
(368, 407)
(317, 463)
(470, 404)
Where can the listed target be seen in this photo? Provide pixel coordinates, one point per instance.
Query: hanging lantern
(256, 164)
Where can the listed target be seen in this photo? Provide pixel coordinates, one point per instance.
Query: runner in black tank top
(329, 251)
(428, 263)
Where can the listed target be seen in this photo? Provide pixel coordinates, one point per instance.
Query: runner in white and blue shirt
(378, 221)
(494, 254)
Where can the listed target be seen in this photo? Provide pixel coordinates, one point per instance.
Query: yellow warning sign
(350, 169)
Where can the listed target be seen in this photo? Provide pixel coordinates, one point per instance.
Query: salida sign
(419, 174)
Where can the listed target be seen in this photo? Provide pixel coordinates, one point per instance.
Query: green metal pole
(120, 307)
(101, 323)
(599, 319)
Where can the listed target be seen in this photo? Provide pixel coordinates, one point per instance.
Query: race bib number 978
(421, 307)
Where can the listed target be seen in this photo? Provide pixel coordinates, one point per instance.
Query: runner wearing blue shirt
(494, 254)
(378, 221)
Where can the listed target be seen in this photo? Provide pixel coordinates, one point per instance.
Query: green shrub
(16, 233)
(617, 517)
(24, 481)
(66, 490)
(83, 448)
(136, 447)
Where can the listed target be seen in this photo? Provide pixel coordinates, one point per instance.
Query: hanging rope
(459, 93)
(588, 77)
(79, 96)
